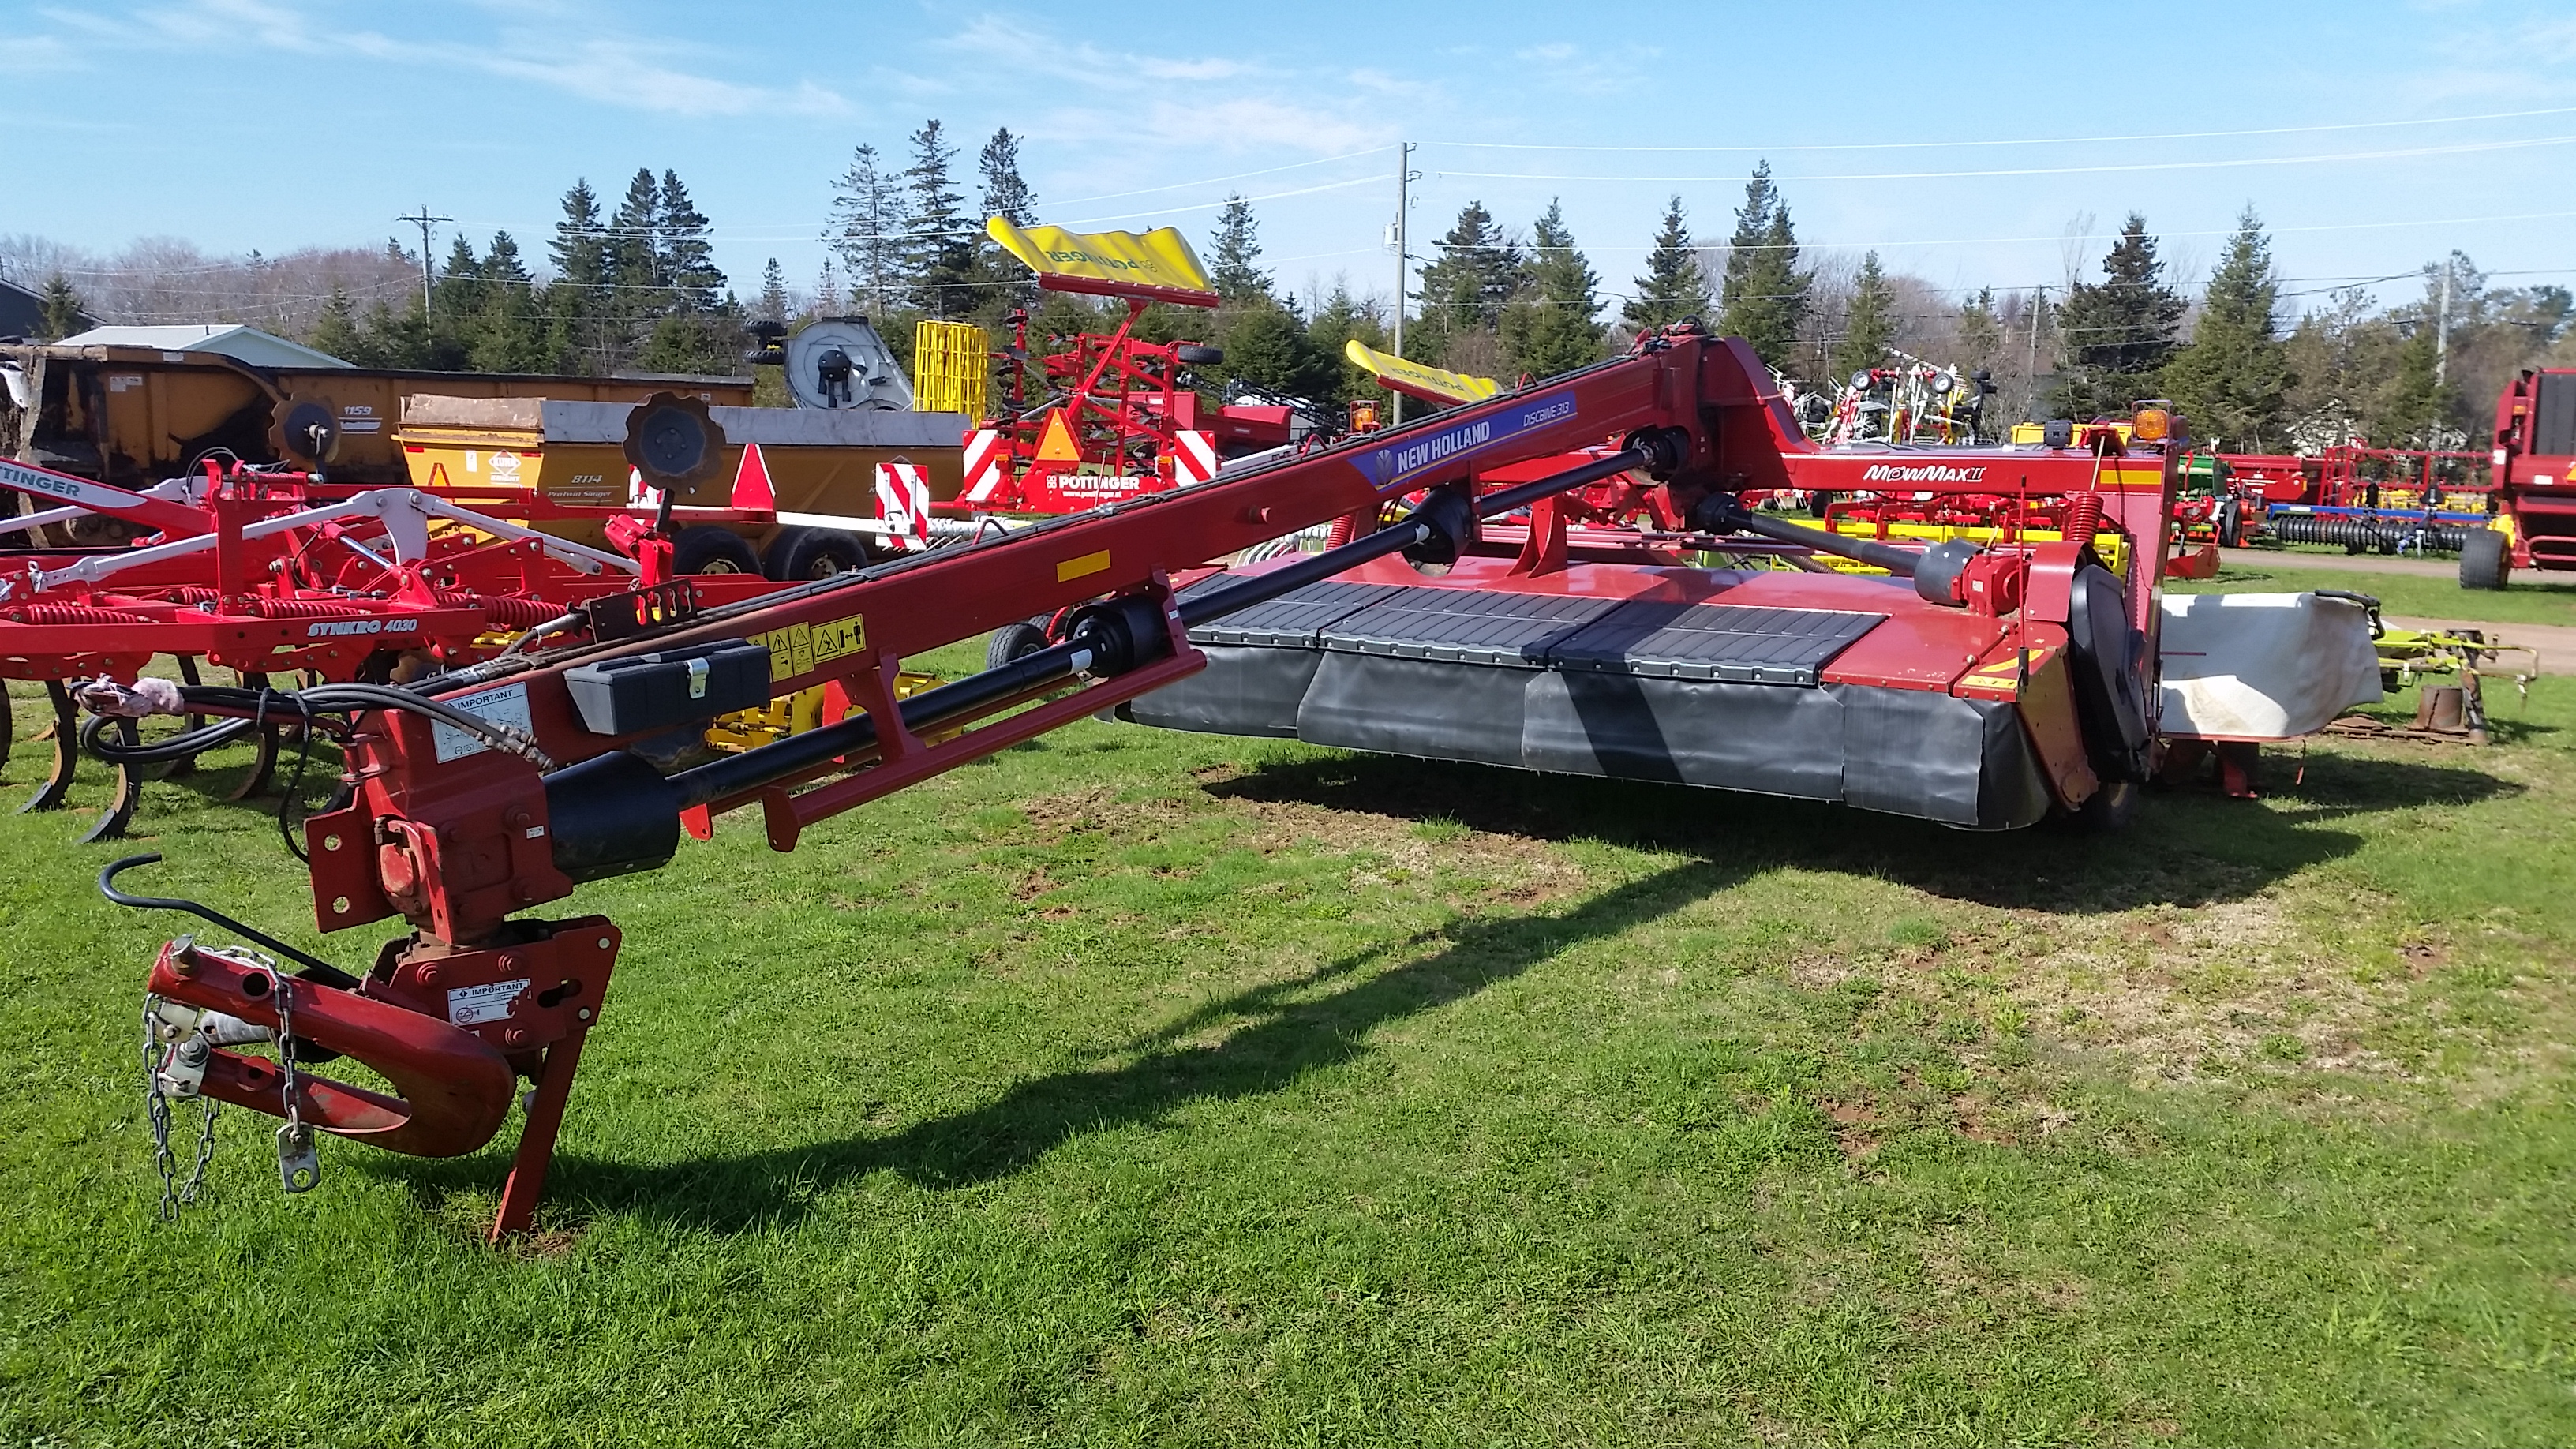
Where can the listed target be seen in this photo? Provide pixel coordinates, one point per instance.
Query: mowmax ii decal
(1921, 473)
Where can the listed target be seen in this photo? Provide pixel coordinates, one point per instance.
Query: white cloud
(569, 53)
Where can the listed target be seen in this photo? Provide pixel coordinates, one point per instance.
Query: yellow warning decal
(1083, 567)
(800, 649)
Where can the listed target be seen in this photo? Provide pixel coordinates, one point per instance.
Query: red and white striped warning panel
(986, 460)
(903, 502)
(1193, 456)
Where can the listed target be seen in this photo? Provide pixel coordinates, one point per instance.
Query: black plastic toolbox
(644, 692)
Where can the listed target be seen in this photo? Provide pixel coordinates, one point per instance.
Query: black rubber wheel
(710, 550)
(2231, 523)
(2485, 563)
(1013, 641)
(799, 554)
(1194, 355)
(2110, 808)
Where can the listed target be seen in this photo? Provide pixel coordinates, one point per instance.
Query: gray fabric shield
(1715, 695)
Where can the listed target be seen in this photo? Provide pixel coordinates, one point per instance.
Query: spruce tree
(2233, 380)
(336, 330)
(1006, 192)
(1004, 282)
(1554, 325)
(634, 243)
(577, 302)
(509, 336)
(1235, 248)
(1869, 324)
(688, 259)
(1673, 287)
(1980, 336)
(1265, 343)
(1465, 291)
(60, 312)
(1341, 320)
(773, 293)
(1764, 297)
(2118, 332)
(457, 301)
(939, 254)
(867, 231)
(2407, 413)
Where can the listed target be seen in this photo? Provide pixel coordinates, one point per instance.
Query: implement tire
(2110, 808)
(798, 555)
(2485, 563)
(708, 549)
(1013, 641)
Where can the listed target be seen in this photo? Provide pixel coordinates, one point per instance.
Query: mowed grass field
(1136, 1088)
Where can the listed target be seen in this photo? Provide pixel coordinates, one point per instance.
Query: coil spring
(2083, 518)
(296, 609)
(2380, 534)
(72, 614)
(507, 610)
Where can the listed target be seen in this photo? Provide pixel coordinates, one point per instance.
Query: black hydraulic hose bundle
(257, 706)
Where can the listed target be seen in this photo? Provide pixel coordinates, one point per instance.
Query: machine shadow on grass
(1316, 1020)
(2188, 846)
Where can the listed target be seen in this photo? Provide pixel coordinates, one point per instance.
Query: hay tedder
(1106, 416)
(1470, 612)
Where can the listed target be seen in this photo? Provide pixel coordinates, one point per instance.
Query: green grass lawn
(2532, 598)
(1135, 1088)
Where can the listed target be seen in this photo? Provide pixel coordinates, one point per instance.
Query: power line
(2035, 141)
(2135, 166)
(1213, 180)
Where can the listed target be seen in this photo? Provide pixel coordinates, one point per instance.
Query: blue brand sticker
(1400, 465)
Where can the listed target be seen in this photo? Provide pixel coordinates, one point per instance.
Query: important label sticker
(474, 1005)
(506, 705)
(801, 649)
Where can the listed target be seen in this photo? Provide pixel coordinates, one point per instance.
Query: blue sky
(277, 123)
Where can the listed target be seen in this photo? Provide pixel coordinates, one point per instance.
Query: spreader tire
(707, 549)
(800, 554)
(2485, 563)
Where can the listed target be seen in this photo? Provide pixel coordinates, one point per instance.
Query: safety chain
(176, 1056)
(299, 1165)
(156, 1106)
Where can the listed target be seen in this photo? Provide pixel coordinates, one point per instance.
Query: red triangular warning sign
(1055, 443)
(438, 475)
(751, 481)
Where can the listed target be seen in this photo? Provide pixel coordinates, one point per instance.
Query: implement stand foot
(537, 1143)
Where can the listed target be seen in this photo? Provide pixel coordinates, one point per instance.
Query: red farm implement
(1107, 416)
(2532, 472)
(268, 575)
(1984, 686)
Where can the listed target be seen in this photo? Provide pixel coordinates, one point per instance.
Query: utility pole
(1404, 179)
(2442, 327)
(424, 220)
(2030, 373)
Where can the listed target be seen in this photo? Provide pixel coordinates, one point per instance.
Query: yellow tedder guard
(1155, 267)
(1413, 379)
